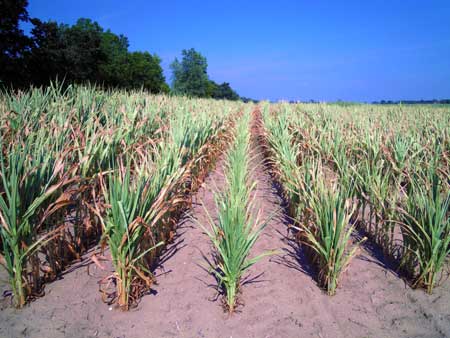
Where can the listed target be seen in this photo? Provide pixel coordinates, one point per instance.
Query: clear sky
(324, 50)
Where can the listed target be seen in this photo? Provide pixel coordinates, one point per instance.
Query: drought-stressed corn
(79, 164)
(385, 169)
(236, 230)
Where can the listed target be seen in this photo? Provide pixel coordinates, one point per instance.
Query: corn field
(237, 229)
(85, 168)
(381, 170)
(82, 167)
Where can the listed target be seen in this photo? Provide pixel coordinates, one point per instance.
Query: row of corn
(381, 170)
(236, 229)
(81, 166)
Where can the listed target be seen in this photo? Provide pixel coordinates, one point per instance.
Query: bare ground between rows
(281, 299)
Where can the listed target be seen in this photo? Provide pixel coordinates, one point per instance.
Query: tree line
(85, 52)
(434, 101)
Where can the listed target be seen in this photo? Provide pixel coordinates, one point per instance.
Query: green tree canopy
(13, 42)
(46, 59)
(224, 91)
(85, 52)
(144, 70)
(112, 71)
(82, 50)
(190, 77)
(80, 53)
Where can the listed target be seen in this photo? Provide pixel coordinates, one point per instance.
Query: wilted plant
(426, 227)
(26, 186)
(284, 156)
(328, 231)
(127, 229)
(160, 137)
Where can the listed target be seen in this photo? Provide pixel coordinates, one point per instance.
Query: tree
(211, 89)
(71, 52)
(13, 42)
(224, 91)
(80, 53)
(46, 60)
(113, 69)
(82, 50)
(144, 70)
(190, 75)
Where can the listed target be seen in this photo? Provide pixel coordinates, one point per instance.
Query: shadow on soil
(174, 247)
(376, 255)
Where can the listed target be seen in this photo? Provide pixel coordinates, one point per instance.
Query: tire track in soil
(283, 301)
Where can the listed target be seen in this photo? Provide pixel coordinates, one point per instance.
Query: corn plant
(26, 187)
(284, 157)
(426, 228)
(236, 231)
(141, 196)
(387, 154)
(328, 232)
(128, 232)
(158, 136)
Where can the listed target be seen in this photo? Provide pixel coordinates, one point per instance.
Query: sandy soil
(281, 299)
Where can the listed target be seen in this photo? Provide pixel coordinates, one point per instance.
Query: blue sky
(322, 50)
